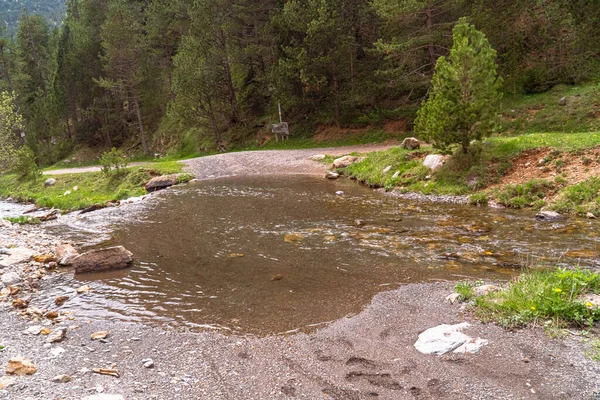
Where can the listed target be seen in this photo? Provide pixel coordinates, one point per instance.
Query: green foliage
(94, 188)
(23, 220)
(11, 126)
(541, 295)
(114, 160)
(580, 199)
(465, 92)
(529, 194)
(465, 290)
(24, 164)
(478, 199)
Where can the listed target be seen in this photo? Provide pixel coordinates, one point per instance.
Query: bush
(24, 164)
(113, 160)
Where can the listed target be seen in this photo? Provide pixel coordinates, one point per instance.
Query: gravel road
(251, 162)
(270, 162)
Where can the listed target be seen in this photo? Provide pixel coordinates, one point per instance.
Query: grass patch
(579, 199)
(465, 290)
(23, 220)
(530, 194)
(92, 188)
(539, 296)
(542, 113)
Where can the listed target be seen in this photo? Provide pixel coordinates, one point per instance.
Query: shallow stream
(274, 254)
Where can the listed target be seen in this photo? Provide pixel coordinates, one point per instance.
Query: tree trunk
(138, 112)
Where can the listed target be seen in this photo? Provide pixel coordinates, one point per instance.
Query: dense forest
(207, 74)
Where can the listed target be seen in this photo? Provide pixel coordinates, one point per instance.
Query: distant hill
(10, 11)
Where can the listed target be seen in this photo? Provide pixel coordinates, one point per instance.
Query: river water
(274, 254)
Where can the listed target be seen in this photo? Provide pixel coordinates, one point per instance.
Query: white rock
(548, 216)
(62, 379)
(33, 330)
(318, 157)
(75, 188)
(17, 256)
(57, 335)
(346, 161)
(397, 174)
(104, 397)
(57, 351)
(434, 161)
(590, 215)
(452, 298)
(443, 339)
(339, 193)
(471, 346)
(387, 169)
(332, 175)
(68, 192)
(7, 381)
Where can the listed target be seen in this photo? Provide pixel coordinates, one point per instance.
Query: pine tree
(464, 94)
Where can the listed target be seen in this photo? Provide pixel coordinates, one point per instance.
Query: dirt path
(269, 162)
(264, 162)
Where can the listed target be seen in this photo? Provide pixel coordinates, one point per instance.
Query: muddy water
(274, 254)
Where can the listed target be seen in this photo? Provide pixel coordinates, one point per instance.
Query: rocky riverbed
(365, 356)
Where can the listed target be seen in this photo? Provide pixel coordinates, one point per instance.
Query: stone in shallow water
(111, 258)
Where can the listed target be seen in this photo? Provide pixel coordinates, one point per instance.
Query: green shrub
(581, 198)
(465, 290)
(529, 194)
(113, 160)
(24, 164)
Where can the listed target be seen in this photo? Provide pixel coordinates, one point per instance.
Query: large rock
(443, 339)
(346, 161)
(161, 182)
(435, 161)
(111, 258)
(332, 175)
(17, 256)
(20, 366)
(548, 216)
(50, 182)
(411, 143)
(65, 254)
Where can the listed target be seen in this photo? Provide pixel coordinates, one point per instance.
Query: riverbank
(368, 355)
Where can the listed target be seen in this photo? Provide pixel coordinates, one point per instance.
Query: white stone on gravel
(445, 338)
(104, 397)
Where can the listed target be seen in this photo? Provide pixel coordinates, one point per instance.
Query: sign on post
(281, 129)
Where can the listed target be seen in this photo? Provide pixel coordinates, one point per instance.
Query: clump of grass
(580, 199)
(465, 290)
(544, 295)
(23, 220)
(478, 199)
(593, 351)
(529, 194)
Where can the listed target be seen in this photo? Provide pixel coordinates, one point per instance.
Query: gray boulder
(548, 216)
(332, 175)
(108, 259)
(346, 161)
(435, 161)
(562, 101)
(161, 182)
(411, 143)
(50, 182)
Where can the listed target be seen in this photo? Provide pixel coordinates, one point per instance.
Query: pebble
(148, 363)
(62, 379)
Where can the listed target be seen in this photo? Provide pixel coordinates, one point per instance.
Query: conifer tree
(464, 94)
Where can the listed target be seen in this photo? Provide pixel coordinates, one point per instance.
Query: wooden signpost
(281, 130)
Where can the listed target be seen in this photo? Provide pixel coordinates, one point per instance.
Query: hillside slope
(52, 10)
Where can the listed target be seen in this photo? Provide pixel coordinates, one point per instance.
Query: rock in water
(548, 216)
(346, 161)
(161, 182)
(332, 175)
(65, 253)
(411, 143)
(20, 366)
(434, 161)
(111, 258)
(50, 182)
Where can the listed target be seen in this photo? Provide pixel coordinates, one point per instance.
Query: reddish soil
(574, 167)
